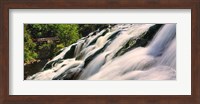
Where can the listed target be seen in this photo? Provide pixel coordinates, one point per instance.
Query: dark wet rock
(70, 53)
(141, 41)
(113, 36)
(51, 64)
(151, 32)
(91, 57)
(69, 74)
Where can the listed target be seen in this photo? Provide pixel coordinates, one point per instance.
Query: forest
(43, 41)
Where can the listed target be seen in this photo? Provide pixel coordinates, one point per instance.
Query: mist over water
(121, 52)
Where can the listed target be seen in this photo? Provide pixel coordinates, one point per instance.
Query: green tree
(29, 47)
(68, 33)
(42, 30)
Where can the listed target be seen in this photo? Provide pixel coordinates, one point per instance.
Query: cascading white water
(144, 59)
(162, 40)
(108, 55)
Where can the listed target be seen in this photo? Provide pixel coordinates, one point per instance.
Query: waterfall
(161, 41)
(121, 52)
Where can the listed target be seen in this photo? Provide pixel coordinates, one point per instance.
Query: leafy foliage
(66, 34)
(29, 47)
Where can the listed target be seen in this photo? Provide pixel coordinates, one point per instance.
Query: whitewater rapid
(121, 52)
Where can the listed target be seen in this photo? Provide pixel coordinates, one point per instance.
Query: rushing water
(122, 52)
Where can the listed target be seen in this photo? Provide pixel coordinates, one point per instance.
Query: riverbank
(33, 67)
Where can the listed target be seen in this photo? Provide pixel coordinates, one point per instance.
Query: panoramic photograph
(100, 51)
